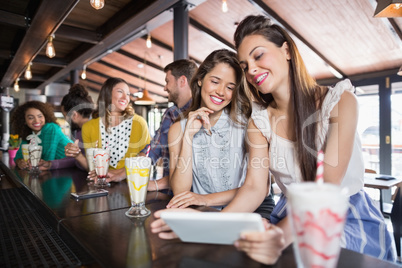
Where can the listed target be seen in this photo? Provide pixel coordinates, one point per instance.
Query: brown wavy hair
(104, 102)
(19, 125)
(306, 95)
(240, 104)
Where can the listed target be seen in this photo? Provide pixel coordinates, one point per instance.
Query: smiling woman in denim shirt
(207, 148)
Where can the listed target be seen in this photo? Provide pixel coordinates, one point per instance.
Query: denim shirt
(219, 162)
(159, 143)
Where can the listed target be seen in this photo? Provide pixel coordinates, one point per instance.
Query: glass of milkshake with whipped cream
(138, 170)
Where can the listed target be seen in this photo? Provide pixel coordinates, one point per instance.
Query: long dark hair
(76, 96)
(306, 94)
(240, 104)
(104, 102)
(18, 117)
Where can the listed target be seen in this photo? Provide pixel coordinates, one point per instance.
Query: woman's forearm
(221, 198)
(247, 199)
(62, 163)
(182, 177)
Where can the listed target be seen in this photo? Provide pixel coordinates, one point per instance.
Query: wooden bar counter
(96, 233)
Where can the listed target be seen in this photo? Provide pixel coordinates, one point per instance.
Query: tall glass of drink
(25, 152)
(89, 153)
(138, 172)
(317, 215)
(35, 154)
(101, 161)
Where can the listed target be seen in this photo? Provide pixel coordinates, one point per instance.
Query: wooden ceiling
(341, 34)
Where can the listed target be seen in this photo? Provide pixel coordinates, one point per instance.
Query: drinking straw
(320, 167)
(149, 149)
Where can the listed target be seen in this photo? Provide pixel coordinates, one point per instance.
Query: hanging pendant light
(149, 41)
(16, 86)
(146, 99)
(388, 9)
(97, 4)
(28, 73)
(50, 51)
(224, 6)
(84, 73)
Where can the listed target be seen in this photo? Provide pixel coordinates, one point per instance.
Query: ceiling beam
(264, 8)
(359, 79)
(57, 62)
(12, 19)
(140, 59)
(130, 73)
(201, 27)
(105, 76)
(117, 37)
(396, 29)
(78, 34)
(5, 54)
(49, 16)
(167, 47)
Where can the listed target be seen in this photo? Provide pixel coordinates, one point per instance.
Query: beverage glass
(25, 152)
(35, 154)
(101, 161)
(89, 153)
(317, 214)
(138, 170)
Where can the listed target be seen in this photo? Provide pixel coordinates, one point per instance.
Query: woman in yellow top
(115, 126)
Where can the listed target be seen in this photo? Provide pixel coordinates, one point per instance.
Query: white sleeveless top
(283, 162)
(219, 163)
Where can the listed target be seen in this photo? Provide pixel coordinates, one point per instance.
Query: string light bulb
(28, 73)
(50, 51)
(97, 4)
(149, 42)
(224, 6)
(16, 86)
(84, 73)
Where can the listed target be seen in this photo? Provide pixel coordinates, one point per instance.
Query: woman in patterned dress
(115, 126)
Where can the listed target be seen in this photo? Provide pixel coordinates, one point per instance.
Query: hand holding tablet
(212, 227)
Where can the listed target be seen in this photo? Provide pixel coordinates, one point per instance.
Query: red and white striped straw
(149, 149)
(320, 167)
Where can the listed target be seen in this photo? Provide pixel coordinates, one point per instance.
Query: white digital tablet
(212, 227)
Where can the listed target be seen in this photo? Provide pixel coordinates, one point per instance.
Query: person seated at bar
(35, 122)
(115, 126)
(207, 150)
(292, 120)
(178, 76)
(77, 107)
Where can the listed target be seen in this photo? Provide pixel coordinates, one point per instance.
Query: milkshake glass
(138, 172)
(317, 214)
(101, 161)
(25, 151)
(89, 153)
(35, 154)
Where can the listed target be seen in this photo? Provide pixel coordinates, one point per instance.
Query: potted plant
(14, 142)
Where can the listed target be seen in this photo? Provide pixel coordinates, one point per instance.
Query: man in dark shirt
(178, 76)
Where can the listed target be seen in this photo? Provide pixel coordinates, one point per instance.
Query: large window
(396, 131)
(368, 125)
